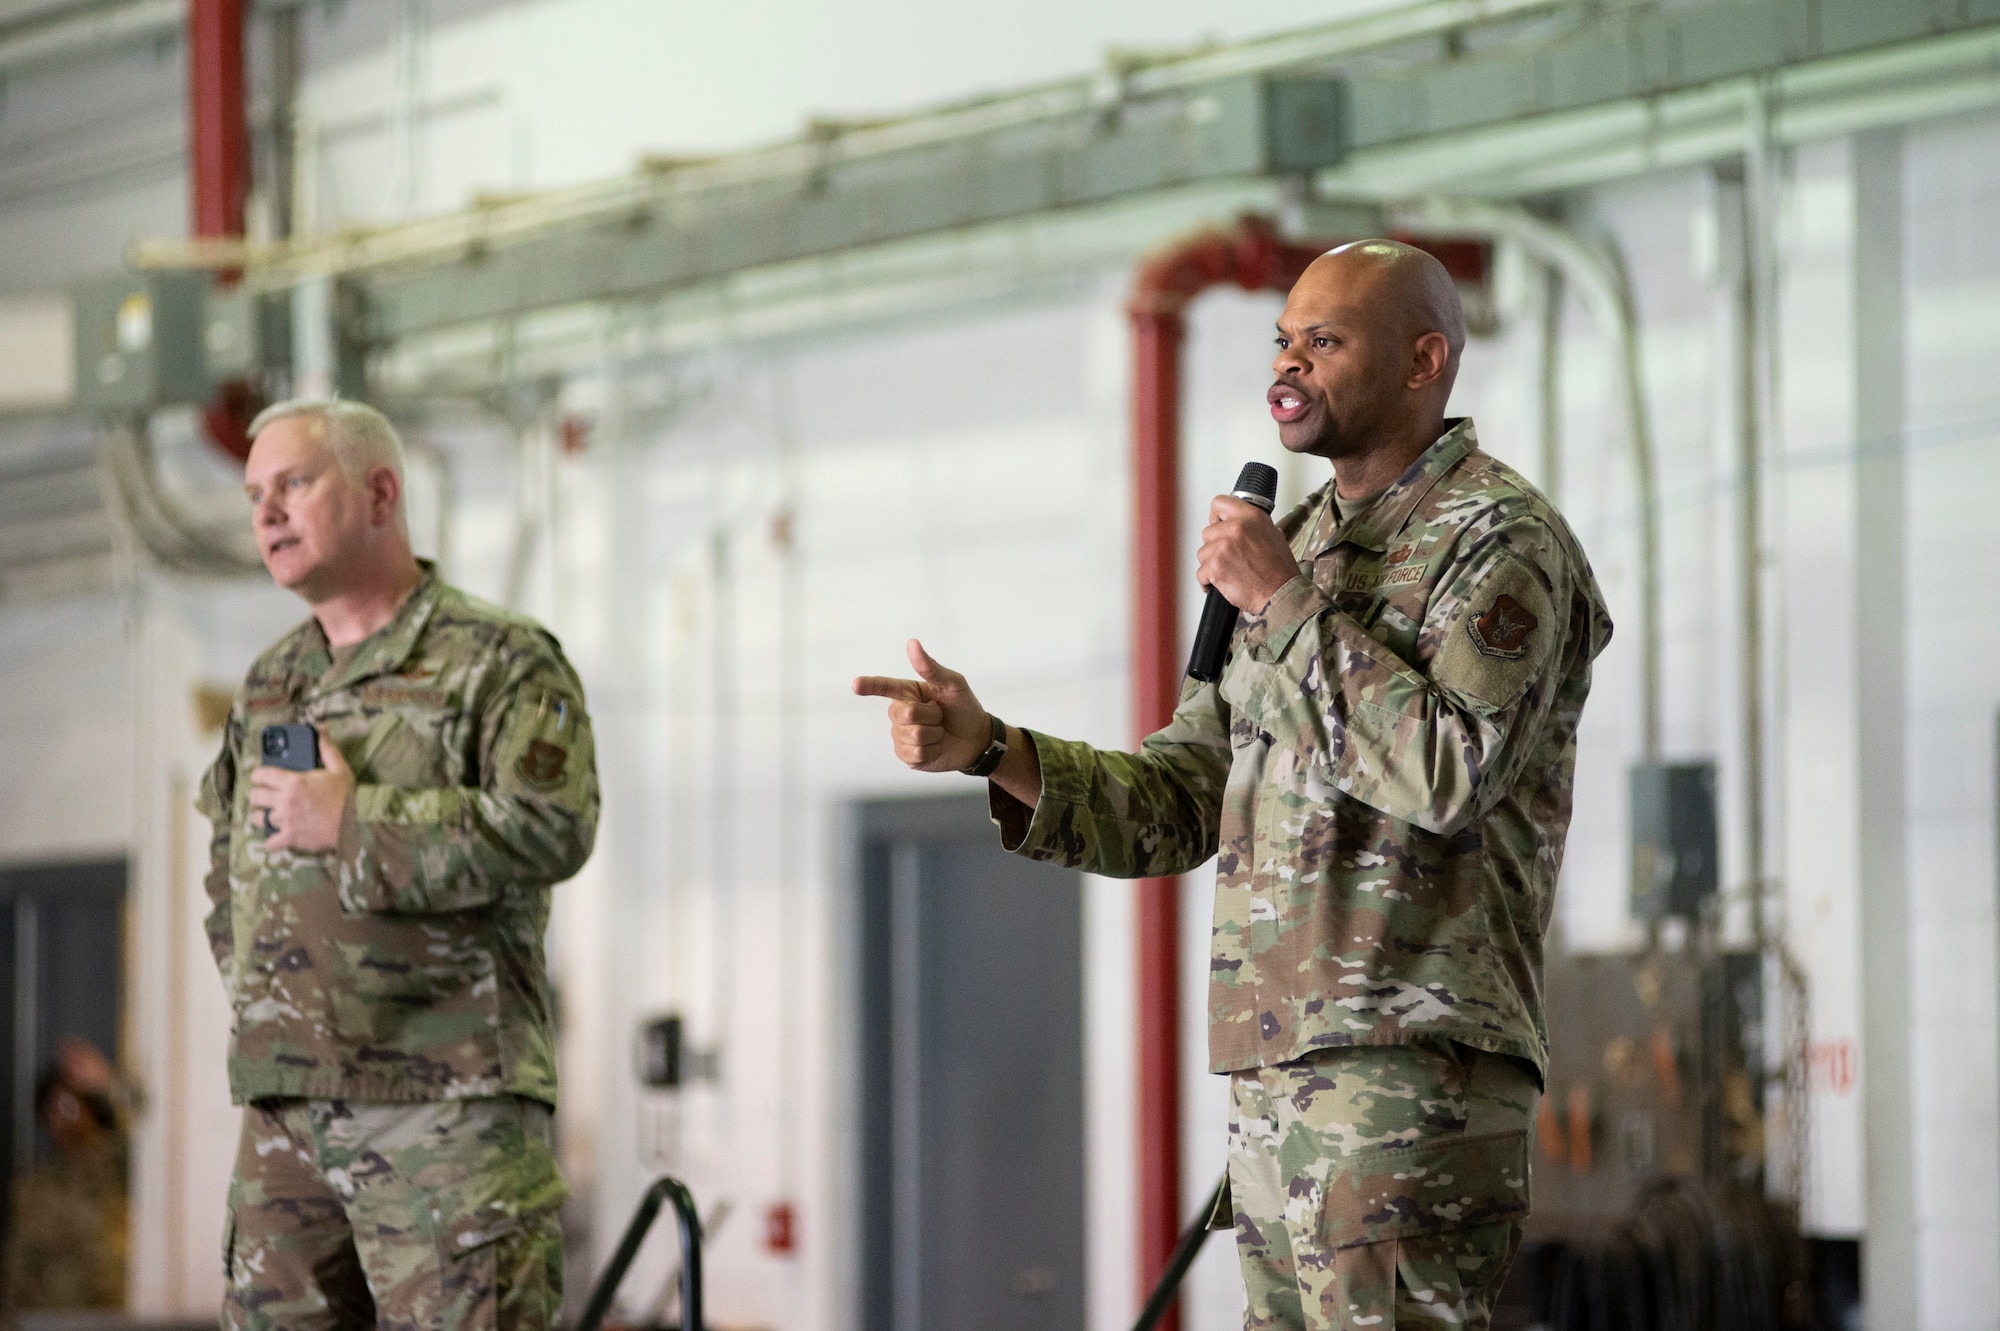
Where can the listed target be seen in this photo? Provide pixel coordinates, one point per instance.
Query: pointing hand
(935, 722)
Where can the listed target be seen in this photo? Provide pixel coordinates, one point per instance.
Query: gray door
(61, 959)
(972, 1051)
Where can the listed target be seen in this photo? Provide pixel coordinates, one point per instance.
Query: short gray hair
(360, 436)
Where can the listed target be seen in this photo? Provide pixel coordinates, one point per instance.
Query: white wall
(964, 480)
(1952, 197)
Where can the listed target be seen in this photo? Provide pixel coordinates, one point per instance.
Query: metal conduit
(174, 538)
(1602, 278)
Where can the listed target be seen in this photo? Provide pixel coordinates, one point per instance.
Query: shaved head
(1368, 349)
(1411, 285)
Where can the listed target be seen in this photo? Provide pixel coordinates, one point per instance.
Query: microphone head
(1260, 479)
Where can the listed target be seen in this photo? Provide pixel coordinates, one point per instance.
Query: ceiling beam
(1581, 89)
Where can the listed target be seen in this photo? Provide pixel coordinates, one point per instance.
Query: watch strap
(995, 750)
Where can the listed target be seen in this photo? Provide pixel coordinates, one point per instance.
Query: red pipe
(218, 130)
(1252, 256)
(219, 169)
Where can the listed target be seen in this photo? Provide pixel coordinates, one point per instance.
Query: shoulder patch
(1503, 630)
(1499, 640)
(542, 765)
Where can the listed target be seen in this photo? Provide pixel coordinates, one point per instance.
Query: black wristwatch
(984, 764)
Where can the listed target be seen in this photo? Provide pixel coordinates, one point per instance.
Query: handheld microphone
(1256, 484)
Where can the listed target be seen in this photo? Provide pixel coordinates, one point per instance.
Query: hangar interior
(738, 344)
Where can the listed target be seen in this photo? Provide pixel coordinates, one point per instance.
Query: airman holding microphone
(1384, 768)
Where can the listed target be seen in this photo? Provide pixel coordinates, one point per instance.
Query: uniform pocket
(1396, 1192)
(462, 1235)
(499, 1186)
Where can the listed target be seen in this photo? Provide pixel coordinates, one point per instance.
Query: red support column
(1156, 674)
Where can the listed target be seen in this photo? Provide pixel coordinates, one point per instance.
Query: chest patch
(1502, 631)
(398, 694)
(1368, 580)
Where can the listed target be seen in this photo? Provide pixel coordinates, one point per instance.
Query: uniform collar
(384, 651)
(1376, 525)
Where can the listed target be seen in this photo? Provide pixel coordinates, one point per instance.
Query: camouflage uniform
(404, 969)
(397, 1216)
(1404, 1170)
(68, 1236)
(1385, 768)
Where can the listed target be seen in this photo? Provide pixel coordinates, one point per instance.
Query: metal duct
(161, 525)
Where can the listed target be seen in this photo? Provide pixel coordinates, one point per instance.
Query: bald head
(1369, 345)
(1404, 286)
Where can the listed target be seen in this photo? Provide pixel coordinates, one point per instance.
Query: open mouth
(1287, 403)
(283, 543)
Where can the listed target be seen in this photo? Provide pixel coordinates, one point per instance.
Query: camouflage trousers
(397, 1216)
(1379, 1187)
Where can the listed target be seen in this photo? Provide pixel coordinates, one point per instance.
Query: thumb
(927, 669)
(329, 753)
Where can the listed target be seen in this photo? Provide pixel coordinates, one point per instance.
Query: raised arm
(1127, 815)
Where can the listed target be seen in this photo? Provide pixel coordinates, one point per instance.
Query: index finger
(887, 686)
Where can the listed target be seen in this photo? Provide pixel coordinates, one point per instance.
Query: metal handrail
(663, 1189)
(1192, 1238)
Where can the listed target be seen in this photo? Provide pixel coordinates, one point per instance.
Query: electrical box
(1673, 839)
(660, 1052)
(231, 333)
(1305, 123)
(158, 339)
(141, 340)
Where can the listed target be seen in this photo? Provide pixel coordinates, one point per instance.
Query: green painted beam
(1245, 126)
(697, 224)
(1635, 54)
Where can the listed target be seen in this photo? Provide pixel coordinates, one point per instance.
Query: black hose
(663, 1190)
(1169, 1284)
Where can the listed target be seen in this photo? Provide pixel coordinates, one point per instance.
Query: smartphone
(294, 746)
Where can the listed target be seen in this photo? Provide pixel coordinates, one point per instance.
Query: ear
(1428, 360)
(385, 491)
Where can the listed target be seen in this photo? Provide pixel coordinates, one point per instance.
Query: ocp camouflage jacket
(1385, 767)
(408, 964)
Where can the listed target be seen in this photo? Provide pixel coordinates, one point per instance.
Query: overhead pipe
(175, 539)
(219, 174)
(1250, 255)
(60, 39)
(1603, 281)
